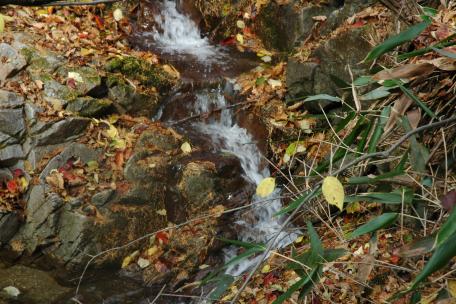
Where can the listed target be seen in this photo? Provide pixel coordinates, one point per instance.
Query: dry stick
(210, 112)
(383, 154)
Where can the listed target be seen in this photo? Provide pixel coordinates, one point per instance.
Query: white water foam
(229, 137)
(178, 34)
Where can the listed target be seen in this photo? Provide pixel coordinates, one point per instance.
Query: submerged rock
(35, 286)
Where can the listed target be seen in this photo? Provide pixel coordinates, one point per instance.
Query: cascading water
(178, 34)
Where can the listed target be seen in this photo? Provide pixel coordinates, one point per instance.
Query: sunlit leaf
(333, 191)
(186, 148)
(266, 187)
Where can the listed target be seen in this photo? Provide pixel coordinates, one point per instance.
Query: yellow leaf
(152, 250)
(452, 288)
(112, 132)
(24, 183)
(266, 268)
(86, 52)
(299, 239)
(266, 187)
(126, 261)
(240, 24)
(2, 23)
(186, 148)
(333, 191)
(161, 212)
(240, 38)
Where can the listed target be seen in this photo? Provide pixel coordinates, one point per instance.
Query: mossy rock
(87, 78)
(144, 72)
(89, 107)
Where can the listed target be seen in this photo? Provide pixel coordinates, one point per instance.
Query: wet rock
(89, 107)
(104, 197)
(146, 73)
(128, 100)
(10, 100)
(11, 60)
(62, 131)
(36, 286)
(10, 155)
(334, 55)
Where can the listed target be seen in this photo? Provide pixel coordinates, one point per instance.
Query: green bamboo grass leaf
(330, 255)
(417, 100)
(380, 222)
(316, 248)
(223, 283)
(447, 230)
(341, 125)
(441, 257)
(322, 97)
(390, 43)
(419, 154)
(381, 121)
(444, 53)
(400, 196)
(377, 93)
(442, 44)
(363, 81)
(300, 200)
(242, 256)
(364, 137)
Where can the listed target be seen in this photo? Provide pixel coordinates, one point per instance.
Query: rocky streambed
(97, 160)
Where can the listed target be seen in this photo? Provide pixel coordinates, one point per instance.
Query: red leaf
(268, 279)
(18, 173)
(228, 41)
(162, 237)
(161, 267)
(271, 297)
(358, 23)
(449, 200)
(395, 259)
(71, 83)
(12, 186)
(100, 23)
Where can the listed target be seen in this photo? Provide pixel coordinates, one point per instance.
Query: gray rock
(11, 61)
(104, 197)
(76, 151)
(10, 100)
(62, 131)
(5, 175)
(88, 106)
(12, 122)
(56, 94)
(31, 113)
(11, 155)
(36, 286)
(89, 76)
(9, 225)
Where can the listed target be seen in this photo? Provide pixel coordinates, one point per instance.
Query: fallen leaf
(333, 191)
(449, 200)
(240, 38)
(118, 14)
(452, 288)
(186, 148)
(143, 263)
(266, 268)
(2, 23)
(266, 187)
(405, 71)
(75, 76)
(161, 212)
(240, 24)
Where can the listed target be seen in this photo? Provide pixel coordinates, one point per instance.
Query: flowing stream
(177, 34)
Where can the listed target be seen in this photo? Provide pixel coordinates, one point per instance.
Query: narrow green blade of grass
(295, 287)
(381, 121)
(223, 283)
(441, 257)
(447, 230)
(322, 97)
(340, 126)
(330, 255)
(242, 256)
(300, 200)
(442, 44)
(444, 53)
(364, 137)
(395, 197)
(316, 248)
(415, 98)
(390, 43)
(380, 222)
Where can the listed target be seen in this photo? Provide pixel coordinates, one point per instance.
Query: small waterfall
(176, 33)
(229, 137)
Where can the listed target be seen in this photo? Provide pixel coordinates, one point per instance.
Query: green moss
(144, 72)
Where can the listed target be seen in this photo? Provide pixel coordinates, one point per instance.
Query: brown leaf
(449, 200)
(405, 71)
(414, 117)
(444, 63)
(399, 108)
